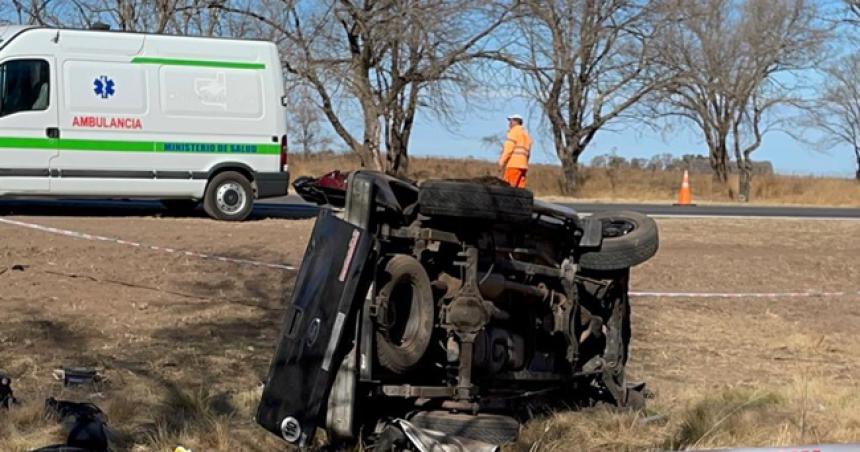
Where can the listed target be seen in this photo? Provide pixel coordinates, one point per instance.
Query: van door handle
(52, 132)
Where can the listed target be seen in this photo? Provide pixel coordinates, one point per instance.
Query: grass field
(619, 185)
(184, 343)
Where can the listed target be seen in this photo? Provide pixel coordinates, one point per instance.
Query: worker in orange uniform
(515, 153)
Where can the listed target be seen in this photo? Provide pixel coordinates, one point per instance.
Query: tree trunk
(718, 163)
(397, 160)
(370, 153)
(570, 170)
(745, 170)
(744, 182)
(857, 154)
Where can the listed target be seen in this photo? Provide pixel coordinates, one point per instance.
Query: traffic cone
(685, 195)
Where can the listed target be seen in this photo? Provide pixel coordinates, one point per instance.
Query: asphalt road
(293, 207)
(669, 210)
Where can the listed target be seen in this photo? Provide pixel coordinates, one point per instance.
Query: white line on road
(101, 238)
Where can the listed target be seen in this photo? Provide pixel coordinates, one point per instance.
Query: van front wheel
(229, 197)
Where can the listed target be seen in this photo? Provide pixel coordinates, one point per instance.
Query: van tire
(229, 197)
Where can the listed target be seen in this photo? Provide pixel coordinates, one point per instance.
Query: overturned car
(458, 306)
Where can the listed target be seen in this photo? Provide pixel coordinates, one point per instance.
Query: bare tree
(738, 62)
(586, 63)
(187, 17)
(853, 10)
(41, 12)
(305, 121)
(387, 57)
(837, 111)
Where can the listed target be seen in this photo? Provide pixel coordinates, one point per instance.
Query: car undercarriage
(460, 306)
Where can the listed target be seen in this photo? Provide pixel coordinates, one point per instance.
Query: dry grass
(186, 370)
(811, 411)
(617, 184)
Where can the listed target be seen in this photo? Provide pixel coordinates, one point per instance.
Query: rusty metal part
(530, 269)
(494, 284)
(428, 234)
(569, 308)
(466, 407)
(467, 314)
(423, 392)
(465, 390)
(449, 284)
(613, 356)
(543, 255)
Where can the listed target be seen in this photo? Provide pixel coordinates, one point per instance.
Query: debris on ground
(76, 376)
(85, 422)
(7, 397)
(404, 435)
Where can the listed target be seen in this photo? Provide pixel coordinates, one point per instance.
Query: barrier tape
(164, 249)
(99, 238)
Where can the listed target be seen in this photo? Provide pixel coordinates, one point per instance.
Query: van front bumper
(270, 185)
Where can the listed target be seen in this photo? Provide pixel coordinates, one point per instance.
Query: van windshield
(24, 86)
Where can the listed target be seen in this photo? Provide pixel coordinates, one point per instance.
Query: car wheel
(475, 200)
(405, 317)
(629, 238)
(229, 197)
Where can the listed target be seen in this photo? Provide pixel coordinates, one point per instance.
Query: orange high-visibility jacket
(518, 146)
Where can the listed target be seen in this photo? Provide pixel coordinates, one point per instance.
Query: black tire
(475, 200)
(229, 197)
(629, 238)
(405, 321)
(180, 205)
(490, 428)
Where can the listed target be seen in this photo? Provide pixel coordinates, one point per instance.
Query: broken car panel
(321, 313)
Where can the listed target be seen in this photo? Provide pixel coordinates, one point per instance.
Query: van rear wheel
(229, 197)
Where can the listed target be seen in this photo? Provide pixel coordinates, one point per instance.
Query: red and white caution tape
(164, 249)
(742, 294)
(100, 238)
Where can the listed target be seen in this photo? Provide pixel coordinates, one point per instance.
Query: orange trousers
(516, 177)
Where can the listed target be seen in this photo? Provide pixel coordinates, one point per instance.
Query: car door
(28, 123)
(318, 328)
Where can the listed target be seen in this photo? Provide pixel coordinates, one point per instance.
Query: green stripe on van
(197, 63)
(67, 144)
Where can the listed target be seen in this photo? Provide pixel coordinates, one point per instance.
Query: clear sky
(787, 154)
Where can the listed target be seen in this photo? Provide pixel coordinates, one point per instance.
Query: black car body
(452, 299)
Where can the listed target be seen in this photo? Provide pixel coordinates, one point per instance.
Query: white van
(102, 114)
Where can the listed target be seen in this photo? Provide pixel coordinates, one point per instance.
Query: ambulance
(105, 114)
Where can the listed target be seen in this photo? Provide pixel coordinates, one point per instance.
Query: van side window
(24, 86)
